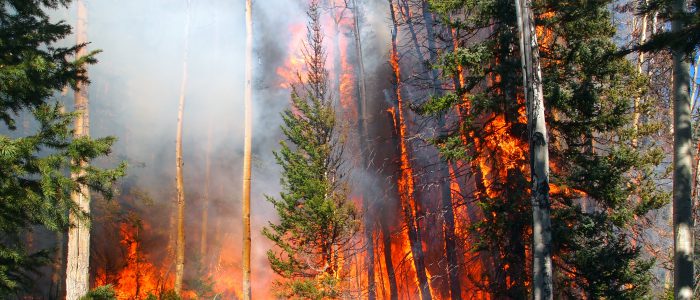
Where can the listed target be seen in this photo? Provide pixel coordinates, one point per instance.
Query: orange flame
(138, 277)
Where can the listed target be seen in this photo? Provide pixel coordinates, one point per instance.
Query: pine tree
(34, 186)
(317, 222)
(588, 93)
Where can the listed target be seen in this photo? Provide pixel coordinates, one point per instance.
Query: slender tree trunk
(683, 271)
(640, 62)
(539, 154)
(446, 191)
(390, 272)
(411, 205)
(180, 218)
(364, 148)
(337, 60)
(57, 268)
(78, 260)
(248, 142)
(205, 203)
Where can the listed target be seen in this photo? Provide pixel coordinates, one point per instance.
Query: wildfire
(138, 278)
(295, 62)
(226, 271)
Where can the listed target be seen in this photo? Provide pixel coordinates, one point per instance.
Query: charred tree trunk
(683, 223)
(410, 204)
(364, 148)
(180, 217)
(539, 153)
(390, 271)
(337, 59)
(78, 258)
(248, 145)
(446, 192)
(57, 268)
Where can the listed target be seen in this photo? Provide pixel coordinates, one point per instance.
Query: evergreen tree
(35, 185)
(588, 96)
(317, 222)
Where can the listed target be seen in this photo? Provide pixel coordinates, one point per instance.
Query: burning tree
(588, 93)
(317, 220)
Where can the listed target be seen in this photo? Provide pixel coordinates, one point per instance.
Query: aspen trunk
(180, 218)
(683, 271)
(640, 61)
(539, 154)
(364, 148)
(248, 102)
(78, 258)
(205, 203)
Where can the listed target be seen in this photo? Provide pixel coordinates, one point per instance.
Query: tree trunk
(180, 218)
(390, 272)
(78, 259)
(409, 201)
(364, 148)
(446, 191)
(539, 154)
(205, 203)
(337, 60)
(683, 271)
(640, 62)
(57, 266)
(248, 142)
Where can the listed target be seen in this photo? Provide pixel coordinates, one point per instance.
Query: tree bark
(247, 149)
(180, 218)
(409, 198)
(78, 258)
(390, 272)
(539, 154)
(640, 62)
(446, 191)
(683, 271)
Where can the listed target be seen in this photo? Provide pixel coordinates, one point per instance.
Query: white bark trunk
(683, 275)
(180, 219)
(640, 62)
(539, 154)
(247, 149)
(78, 258)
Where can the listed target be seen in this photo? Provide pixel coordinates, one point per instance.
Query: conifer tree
(35, 188)
(317, 222)
(588, 94)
